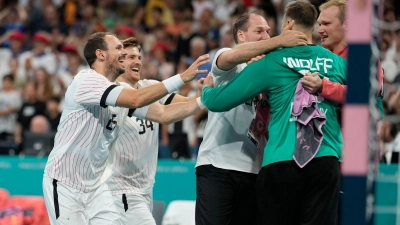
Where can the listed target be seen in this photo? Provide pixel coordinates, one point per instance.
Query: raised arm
(136, 98)
(246, 51)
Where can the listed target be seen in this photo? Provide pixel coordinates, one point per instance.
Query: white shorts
(67, 205)
(138, 209)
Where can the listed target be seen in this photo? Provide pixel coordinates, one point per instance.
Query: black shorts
(225, 197)
(290, 195)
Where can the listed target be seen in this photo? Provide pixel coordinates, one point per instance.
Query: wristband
(173, 83)
(201, 105)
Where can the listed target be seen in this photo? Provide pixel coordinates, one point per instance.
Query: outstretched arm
(179, 108)
(136, 98)
(167, 114)
(245, 52)
(234, 93)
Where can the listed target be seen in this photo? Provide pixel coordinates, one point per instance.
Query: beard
(112, 70)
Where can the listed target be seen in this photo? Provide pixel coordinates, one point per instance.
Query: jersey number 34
(144, 124)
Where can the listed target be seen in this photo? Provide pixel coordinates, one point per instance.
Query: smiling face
(331, 30)
(132, 65)
(114, 57)
(257, 30)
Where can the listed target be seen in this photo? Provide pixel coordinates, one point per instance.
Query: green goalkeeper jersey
(277, 74)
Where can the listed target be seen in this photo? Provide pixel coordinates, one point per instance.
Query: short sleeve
(94, 89)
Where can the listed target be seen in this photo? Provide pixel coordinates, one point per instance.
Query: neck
(339, 47)
(133, 83)
(309, 38)
(109, 73)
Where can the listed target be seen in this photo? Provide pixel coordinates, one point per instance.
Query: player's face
(116, 54)
(331, 30)
(133, 63)
(258, 29)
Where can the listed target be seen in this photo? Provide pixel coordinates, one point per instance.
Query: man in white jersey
(228, 161)
(136, 150)
(74, 185)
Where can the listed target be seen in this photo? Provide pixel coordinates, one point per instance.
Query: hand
(200, 84)
(209, 80)
(289, 37)
(255, 59)
(193, 69)
(312, 83)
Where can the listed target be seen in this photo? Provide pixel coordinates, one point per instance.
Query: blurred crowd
(41, 45)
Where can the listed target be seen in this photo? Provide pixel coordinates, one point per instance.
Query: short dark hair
(9, 77)
(132, 42)
(242, 22)
(95, 41)
(303, 12)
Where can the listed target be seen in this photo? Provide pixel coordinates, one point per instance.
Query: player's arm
(136, 98)
(241, 88)
(246, 51)
(167, 114)
(330, 90)
(180, 98)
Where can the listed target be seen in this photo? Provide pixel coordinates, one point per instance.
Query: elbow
(165, 120)
(232, 58)
(137, 103)
(216, 108)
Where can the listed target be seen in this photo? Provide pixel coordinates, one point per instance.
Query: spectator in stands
(45, 87)
(71, 63)
(19, 81)
(30, 108)
(52, 112)
(39, 125)
(159, 53)
(12, 17)
(124, 32)
(199, 6)
(51, 20)
(224, 10)
(15, 48)
(10, 102)
(39, 56)
(207, 29)
(157, 16)
(183, 43)
(198, 47)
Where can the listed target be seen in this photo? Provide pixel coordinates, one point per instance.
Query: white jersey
(88, 129)
(225, 144)
(135, 153)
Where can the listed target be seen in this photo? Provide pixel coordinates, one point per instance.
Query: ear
(345, 25)
(100, 55)
(240, 35)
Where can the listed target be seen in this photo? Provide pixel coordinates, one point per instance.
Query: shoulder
(219, 52)
(89, 74)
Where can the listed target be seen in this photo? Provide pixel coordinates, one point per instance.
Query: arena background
(370, 168)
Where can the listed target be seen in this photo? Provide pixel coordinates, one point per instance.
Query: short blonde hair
(341, 4)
